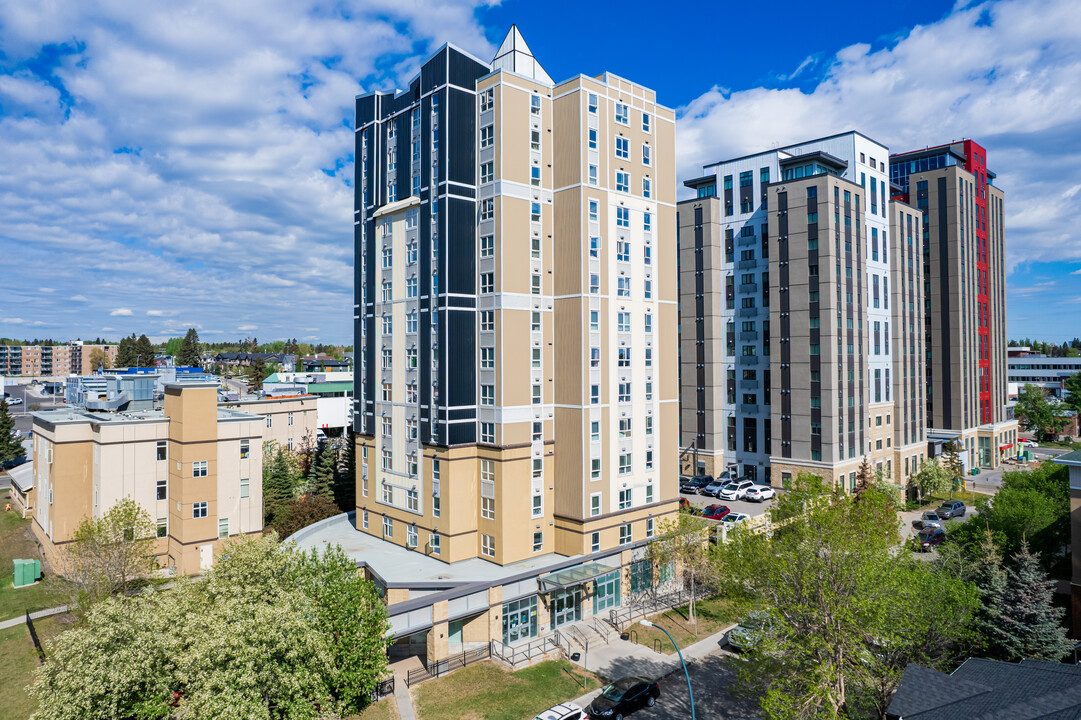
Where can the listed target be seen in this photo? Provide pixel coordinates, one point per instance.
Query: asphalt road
(21, 413)
(710, 681)
(748, 508)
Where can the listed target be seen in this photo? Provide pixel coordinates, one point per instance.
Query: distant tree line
(1066, 349)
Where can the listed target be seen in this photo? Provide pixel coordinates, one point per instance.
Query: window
(199, 509)
(162, 527)
(487, 320)
(594, 394)
(649, 527)
(535, 176)
(595, 469)
(625, 499)
(623, 148)
(410, 327)
(487, 545)
(595, 542)
(163, 449)
(487, 209)
(388, 257)
(595, 431)
(621, 114)
(538, 541)
(199, 468)
(388, 527)
(388, 325)
(535, 284)
(592, 139)
(625, 535)
(645, 154)
(534, 212)
(433, 543)
(649, 322)
(245, 487)
(594, 320)
(487, 283)
(411, 287)
(487, 136)
(623, 182)
(649, 494)
(594, 504)
(592, 103)
(536, 394)
(646, 187)
(594, 283)
(592, 174)
(487, 99)
(623, 217)
(625, 464)
(163, 490)
(623, 287)
(535, 104)
(535, 360)
(625, 427)
(487, 394)
(487, 172)
(535, 322)
(487, 489)
(365, 520)
(487, 358)
(623, 251)
(649, 425)
(538, 431)
(435, 488)
(623, 322)
(223, 527)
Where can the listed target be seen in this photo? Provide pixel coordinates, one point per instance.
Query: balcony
(748, 312)
(748, 240)
(747, 264)
(748, 288)
(748, 409)
(748, 360)
(749, 335)
(748, 384)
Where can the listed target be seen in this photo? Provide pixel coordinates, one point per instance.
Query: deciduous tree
(684, 543)
(99, 359)
(932, 479)
(110, 554)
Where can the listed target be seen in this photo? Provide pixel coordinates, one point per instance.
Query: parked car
(687, 506)
(950, 509)
(930, 519)
(749, 631)
(1027, 443)
(735, 490)
(716, 512)
(714, 488)
(929, 538)
(14, 400)
(733, 518)
(760, 493)
(624, 696)
(562, 711)
(693, 485)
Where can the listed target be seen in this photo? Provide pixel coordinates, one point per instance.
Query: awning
(1007, 446)
(574, 576)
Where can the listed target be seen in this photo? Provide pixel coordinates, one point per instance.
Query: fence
(524, 653)
(34, 637)
(442, 667)
(384, 688)
(649, 604)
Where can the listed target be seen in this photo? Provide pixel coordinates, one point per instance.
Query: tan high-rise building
(963, 246)
(515, 399)
(194, 467)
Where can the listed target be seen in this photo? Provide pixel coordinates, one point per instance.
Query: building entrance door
(455, 632)
(206, 557)
(606, 595)
(566, 607)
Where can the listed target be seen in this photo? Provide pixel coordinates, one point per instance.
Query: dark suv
(951, 508)
(693, 485)
(622, 697)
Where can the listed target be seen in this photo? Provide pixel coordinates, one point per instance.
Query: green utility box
(27, 572)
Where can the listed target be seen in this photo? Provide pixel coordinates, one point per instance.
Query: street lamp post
(647, 623)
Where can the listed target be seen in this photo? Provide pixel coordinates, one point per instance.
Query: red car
(715, 512)
(688, 507)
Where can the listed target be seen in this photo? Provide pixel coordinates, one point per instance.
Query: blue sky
(190, 164)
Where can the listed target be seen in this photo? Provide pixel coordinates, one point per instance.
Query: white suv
(563, 711)
(735, 490)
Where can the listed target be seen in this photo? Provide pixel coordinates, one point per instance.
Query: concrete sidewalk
(33, 616)
(620, 658)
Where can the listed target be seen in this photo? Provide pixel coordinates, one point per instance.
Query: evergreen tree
(189, 350)
(10, 447)
(256, 374)
(279, 480)
(323, 471)
(126, 355)
(1072, 384)
(345, 486)
(951, 461)
(864, 476)
(1032, 624)
(145, 351)
(991, 580)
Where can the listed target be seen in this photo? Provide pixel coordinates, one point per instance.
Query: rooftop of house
(989, 689)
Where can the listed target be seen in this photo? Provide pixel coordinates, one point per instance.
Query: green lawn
(968, 497)
(17, 541)
(1060, 445)
(385, 709)
(486, 691)
(713, 614)
(20, 659)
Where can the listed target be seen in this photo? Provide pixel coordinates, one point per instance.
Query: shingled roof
(990, 690)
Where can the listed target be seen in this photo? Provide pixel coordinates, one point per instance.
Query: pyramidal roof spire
(515, 56)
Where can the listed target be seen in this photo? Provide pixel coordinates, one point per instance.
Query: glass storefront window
(606, 592)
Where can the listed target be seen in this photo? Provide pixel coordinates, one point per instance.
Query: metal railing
(512, 655)
(577, 635)
(563, 643)
(442, 667)
(648, 604)
(600, 629)
(383, 688)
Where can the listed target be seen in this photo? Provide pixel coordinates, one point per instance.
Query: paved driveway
(710, 680)
(741, 506)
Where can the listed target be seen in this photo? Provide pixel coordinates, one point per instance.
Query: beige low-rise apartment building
(51, 360)
(195, 467)
(290, 420)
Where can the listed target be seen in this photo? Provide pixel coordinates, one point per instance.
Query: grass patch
(486, 691)
(1058, 444)
(17, 541)
(20, 659)
(714, 614)
(385, 709)
(931, 502)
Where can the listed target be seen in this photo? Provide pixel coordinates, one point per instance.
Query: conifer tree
(1032, 624)
(126, 355)
(10, 447)
(189, 350)
(279, 480)
(145, 351)
(323, 470)
(345, 486)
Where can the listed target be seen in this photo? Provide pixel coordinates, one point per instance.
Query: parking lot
(747, 508)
